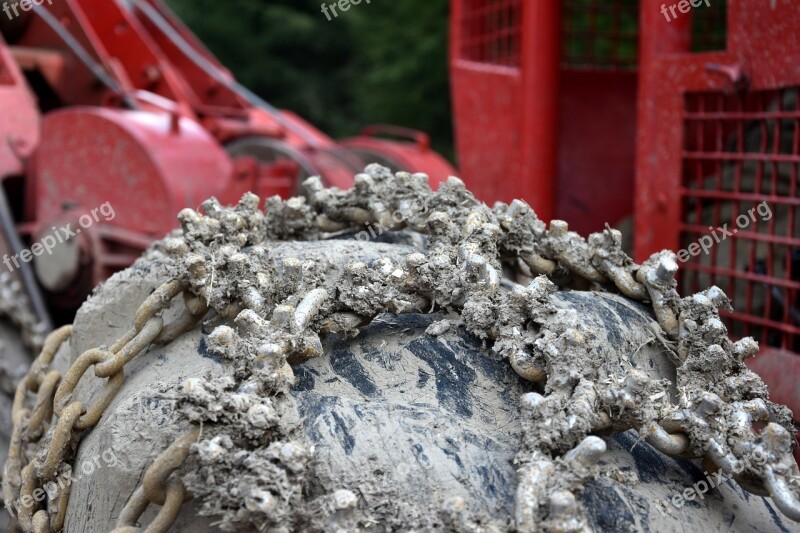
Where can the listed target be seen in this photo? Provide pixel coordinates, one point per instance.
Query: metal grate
(491, 31)
(709, 26)
(740, 167)
(600, 33)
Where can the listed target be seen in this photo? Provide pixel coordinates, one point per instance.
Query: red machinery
(548, 101)
(719, 134)
(116, 102)
(528, 102)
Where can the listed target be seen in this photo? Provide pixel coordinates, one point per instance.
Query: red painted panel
(597, 143)
(505, 60)
(134, 160)
(488, 129)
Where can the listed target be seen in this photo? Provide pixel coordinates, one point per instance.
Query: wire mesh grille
(740, 225)
(491, 31)
(599, 33)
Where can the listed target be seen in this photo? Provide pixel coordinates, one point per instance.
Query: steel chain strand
(70, 380)
(551, 250)
(68, 418)
(30, 382)
(166, 463)
(25, 512)
(122, 341)
(14, 477)
(195, 309)
(54, 394)
(652, 279)
(43, 408)
(58, 518)
(134, 508)
(600, 260)
(159, 300)
(158, 489)
(587, 259)
(62, 435)
(123, 351)
(95, 411)
(138, 503)
(780, 490)
(773, 482)
(12, 470)
(196, 305)
(145, 336)
(176, 495)
(41, 522)
(635, 281)
(593, 262)
(674, 442)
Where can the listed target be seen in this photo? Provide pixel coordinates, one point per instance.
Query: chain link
(54, 400)
(599, 261)
(774, 445)
(157, 488)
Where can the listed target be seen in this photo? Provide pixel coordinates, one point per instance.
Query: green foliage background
(380, 62)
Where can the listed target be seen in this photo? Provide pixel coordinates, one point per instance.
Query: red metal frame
(597, 129)
(537, 93)
(145, 49)
(19, 127)
(140, 56)
(499, 49)
(718, 133)
(700, 86)
(713, 144)
(707, 128)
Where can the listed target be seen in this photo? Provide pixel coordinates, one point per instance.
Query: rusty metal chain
(157, 488)
(54, 400)
(596, 260)
(777, 469)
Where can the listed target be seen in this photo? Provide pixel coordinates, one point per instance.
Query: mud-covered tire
(404, 419)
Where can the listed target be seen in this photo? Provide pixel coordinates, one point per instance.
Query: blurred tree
(402, 66)
(379, 62)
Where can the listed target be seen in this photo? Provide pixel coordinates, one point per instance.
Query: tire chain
(598, 260)
(639, 282)
(54, 400)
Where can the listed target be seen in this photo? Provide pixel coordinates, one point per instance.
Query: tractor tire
(419, 423)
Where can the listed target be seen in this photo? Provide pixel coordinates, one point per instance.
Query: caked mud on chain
(227, 261)
(271, 313)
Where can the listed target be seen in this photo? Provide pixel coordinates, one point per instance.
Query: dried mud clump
(247, 486)
(272, 313)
